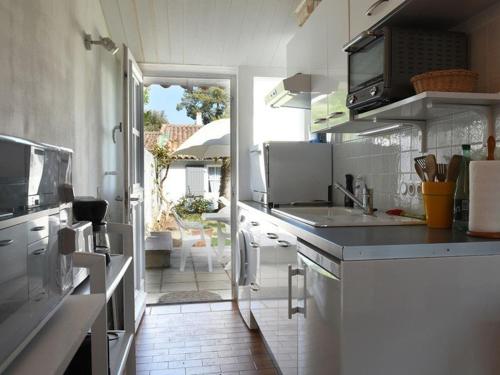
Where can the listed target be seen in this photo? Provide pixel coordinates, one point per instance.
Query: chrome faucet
(366, 204)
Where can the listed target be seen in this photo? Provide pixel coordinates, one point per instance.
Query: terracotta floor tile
(196, 339)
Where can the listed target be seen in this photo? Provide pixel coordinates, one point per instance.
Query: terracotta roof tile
(176, 134)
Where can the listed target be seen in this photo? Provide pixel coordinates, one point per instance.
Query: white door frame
(133, 202)
(230, 75)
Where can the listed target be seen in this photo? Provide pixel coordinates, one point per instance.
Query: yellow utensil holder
(438, 202)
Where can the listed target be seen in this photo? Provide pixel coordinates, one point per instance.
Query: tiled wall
(386, 161)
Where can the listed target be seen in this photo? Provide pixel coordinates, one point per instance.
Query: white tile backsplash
(387, 161)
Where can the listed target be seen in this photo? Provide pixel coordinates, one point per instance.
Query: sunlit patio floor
(195, 277)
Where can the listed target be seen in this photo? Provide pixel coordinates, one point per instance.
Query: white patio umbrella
(211, 141)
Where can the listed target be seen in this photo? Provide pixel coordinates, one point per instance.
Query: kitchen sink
(323, 216)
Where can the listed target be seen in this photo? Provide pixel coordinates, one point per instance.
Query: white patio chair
(188, 240)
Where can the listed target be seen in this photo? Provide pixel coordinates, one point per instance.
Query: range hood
(294, 92)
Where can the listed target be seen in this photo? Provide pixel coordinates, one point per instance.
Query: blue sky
(166, 100)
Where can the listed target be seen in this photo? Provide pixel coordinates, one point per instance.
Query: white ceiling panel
(203, 32)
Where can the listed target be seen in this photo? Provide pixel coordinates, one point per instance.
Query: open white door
(133, 141)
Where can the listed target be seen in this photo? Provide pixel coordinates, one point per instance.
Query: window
(214, 175)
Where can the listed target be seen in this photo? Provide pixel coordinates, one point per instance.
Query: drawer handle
(6, 243)
(254, 223)
(272, 236)
(320, 120)
(254, 287)
(336, 114)
(374, 6)
(39, 252)
(37, 229)
(254, 244)
(283, 243)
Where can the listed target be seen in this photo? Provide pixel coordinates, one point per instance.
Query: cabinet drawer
(38, 229)
(13, 282)
(38, 270)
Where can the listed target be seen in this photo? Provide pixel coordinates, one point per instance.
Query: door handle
(293, 310)
(37, 229)
(374, 6)
(254, 223)
(39, 252)
(320, 120)
(6, 243)
(135, 199)
(254, 245)
(254, 287)
(272, 236)
(283, 243)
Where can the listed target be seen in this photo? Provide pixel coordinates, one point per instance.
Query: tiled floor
(192, 339)
(195, 277)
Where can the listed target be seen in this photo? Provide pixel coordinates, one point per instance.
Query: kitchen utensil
(431, 167)
(421, 162)
(453, 168)
(491, 147)
(420, 172)
(438, 202)
(441, 172)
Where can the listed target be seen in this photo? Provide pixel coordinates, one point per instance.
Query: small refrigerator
(290, 172)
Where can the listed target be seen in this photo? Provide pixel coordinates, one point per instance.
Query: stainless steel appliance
(36, 274)
(382, 62)
(288, 172)
(319, 312)
(293, 92)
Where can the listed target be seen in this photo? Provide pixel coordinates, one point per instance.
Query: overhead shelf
(429, 105)
(416, 111)
(114, 274)
(53, 348)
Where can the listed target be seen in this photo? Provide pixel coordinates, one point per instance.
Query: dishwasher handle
(297, 309)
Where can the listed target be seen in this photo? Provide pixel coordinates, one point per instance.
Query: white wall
(249, 105)
(53, 90)
(274, 124)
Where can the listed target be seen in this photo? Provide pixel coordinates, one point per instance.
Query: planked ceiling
(204, 32)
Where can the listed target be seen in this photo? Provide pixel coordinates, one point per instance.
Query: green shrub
(188, 206)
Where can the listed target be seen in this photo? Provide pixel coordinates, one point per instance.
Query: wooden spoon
(491, 147)
(453, 168)
(431, 167)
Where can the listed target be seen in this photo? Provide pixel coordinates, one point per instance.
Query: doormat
(192, 296)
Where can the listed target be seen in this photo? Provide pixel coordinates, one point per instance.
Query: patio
(196, 283)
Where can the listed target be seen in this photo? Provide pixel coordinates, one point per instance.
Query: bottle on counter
(359, 185)
(349, 185)
(461, 198)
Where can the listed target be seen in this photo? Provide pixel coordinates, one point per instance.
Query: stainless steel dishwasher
(319, 311)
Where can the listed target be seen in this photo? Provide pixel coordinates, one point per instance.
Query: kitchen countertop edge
(434, 243)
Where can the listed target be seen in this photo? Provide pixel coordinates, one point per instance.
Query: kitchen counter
(381, 242)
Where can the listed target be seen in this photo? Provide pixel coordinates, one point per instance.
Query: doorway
(187, 189)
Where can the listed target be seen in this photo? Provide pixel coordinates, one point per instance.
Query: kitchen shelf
(430, 105)
(114, 274)
(54, 346)
(416, 110)
(119, 350)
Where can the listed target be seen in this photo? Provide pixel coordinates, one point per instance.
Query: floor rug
(192, 296)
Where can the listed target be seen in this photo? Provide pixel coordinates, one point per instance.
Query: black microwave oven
(382, 62)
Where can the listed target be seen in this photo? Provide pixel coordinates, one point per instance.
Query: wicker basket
(452, 80)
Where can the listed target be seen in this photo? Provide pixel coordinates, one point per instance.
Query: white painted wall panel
(55, 91)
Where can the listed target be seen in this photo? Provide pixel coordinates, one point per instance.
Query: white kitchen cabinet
(337, 35)
(363, 14)
(316, 49)
(316, 30)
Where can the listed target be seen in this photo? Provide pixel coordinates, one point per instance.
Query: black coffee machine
(94, 210)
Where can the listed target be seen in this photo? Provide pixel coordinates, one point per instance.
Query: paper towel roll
(484, 201)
